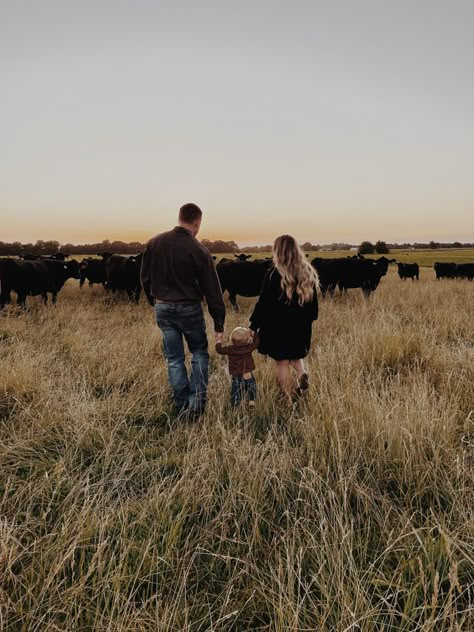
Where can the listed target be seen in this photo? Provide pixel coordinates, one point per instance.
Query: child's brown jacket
(240, 356)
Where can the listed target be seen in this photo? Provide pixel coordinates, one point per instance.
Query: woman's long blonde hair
(297, 274)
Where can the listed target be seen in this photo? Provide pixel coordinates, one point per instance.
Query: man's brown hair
(189, 213)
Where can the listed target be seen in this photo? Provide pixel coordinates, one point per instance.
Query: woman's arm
(314, 305)
(261, 306)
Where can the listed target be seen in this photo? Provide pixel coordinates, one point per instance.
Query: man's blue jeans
(177, 322)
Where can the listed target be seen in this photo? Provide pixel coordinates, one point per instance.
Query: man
(177, 273)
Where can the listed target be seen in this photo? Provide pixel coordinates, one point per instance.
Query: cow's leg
(137, 295)
(21, 300)
(233, 301)
(54, 297)
(5, 299)
(44, 296)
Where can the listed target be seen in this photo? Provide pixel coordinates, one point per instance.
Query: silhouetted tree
(381, 248)
(366, 248)
(308, 246)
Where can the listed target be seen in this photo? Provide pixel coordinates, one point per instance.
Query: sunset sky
(330, 120)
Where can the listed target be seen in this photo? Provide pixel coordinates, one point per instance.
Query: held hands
(219, 336)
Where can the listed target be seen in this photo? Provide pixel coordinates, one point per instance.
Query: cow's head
(382, 264)
(73, 269)
(242, 257)
(105, 255)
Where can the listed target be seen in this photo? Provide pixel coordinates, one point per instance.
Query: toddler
(241, 365)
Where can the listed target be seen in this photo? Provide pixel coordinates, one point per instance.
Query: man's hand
(219, 336)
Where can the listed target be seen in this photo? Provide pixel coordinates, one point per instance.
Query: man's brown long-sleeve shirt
(177, 268)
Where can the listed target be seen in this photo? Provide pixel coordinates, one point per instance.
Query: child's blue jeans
(242, 389)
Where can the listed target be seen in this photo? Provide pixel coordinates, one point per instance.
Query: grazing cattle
(29, 256)
(243, 278)
(58, 256)
(123, 274)
(242, 257)
(92, 270)
(409, 271)
(444, 270)
(464, 271)
(348, 273)
(34, 278)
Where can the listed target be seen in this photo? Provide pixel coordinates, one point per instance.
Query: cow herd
(31, 275)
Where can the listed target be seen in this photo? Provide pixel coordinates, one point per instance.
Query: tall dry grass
(354, 513)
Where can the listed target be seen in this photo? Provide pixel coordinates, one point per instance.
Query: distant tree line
(218, 246)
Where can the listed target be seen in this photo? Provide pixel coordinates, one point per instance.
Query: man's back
(177, 268)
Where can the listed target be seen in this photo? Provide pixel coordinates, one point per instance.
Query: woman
(285, 311)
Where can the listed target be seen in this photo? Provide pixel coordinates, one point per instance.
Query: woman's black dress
(284, 328)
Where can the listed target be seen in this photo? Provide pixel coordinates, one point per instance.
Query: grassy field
(353, 513)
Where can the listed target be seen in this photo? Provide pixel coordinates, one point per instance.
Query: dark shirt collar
(181, 229)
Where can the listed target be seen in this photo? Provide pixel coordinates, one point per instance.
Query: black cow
(348, 273)
(444, 270)
(123, 275)
(34, 278)
(92, 270)
(409, 271)
(58, 256)
(464, 271)
(243, 278)
(242, 257)
(105, 255)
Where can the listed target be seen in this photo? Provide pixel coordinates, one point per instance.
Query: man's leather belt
(159, 301)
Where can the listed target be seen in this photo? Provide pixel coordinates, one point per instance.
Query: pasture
(354, 512)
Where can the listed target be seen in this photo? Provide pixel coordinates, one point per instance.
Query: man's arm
(145, 272)
(211, 288)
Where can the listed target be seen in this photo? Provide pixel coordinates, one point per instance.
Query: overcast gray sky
(333, 121)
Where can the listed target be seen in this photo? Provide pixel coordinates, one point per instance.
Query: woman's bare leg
(298, 366)
(302, 376)
(283, 376)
